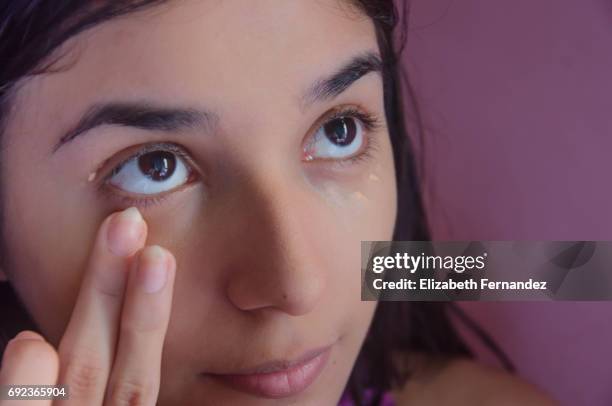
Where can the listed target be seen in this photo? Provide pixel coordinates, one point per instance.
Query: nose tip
(295, 292)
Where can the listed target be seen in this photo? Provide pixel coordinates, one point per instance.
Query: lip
(278, 379)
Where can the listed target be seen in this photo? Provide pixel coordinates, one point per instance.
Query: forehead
(217, 49)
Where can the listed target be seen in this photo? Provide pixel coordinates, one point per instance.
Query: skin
(281, 270)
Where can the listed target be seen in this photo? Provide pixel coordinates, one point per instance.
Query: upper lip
(278, 365)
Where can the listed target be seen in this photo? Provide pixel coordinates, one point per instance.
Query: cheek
(49, 226)
(362, 207)
(49, 233)
(363, 210)
(362, 199)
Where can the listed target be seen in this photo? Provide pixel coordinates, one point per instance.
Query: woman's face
(265, 197)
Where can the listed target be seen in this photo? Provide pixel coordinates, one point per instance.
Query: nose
(279, 263)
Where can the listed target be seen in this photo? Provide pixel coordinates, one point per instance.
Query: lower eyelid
(124, 199)
(367, 153)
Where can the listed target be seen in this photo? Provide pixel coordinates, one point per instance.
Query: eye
(151, 172)
(341, 137)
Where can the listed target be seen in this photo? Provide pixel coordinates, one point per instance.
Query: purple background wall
(516, 97)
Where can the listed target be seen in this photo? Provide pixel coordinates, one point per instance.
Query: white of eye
(151, 173)
(337, 139)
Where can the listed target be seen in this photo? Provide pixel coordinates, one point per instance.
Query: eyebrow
(332, 86)
(152, 117)
(142, 115)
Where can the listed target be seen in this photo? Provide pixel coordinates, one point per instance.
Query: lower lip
(279, 384)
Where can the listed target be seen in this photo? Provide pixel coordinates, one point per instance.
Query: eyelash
(370, 122)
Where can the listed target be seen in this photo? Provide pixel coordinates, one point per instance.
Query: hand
(110, 353)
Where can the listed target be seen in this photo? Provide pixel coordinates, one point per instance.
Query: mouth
(280, 378)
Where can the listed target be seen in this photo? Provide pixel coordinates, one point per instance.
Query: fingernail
(153, 269)
(28, 335)
(125, 232)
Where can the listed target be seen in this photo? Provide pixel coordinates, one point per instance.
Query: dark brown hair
(30, 32)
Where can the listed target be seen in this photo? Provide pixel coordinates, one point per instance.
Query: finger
(28, 360)
(87, 348)
(136, 373)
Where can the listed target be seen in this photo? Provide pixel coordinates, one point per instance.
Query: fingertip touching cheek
(254, 143)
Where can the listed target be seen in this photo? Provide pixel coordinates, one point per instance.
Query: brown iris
(157, 165)
(341, 131)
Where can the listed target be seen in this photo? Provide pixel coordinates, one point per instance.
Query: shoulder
(466, 382)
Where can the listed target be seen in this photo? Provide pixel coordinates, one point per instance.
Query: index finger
(87, 348)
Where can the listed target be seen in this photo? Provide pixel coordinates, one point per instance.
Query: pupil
(158, 165)
(341, 131)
